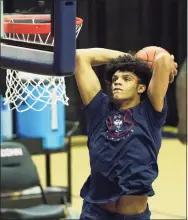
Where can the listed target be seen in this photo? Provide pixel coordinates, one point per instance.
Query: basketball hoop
(27, 89)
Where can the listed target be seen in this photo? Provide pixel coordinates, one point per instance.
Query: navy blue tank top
(123, 148)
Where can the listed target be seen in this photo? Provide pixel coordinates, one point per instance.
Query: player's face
(125, 86)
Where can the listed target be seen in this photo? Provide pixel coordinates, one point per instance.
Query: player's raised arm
(164, 72)
(87, 81)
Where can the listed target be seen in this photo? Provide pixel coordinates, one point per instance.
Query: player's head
(128, 77)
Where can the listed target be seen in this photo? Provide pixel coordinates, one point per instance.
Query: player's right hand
(174, 70)
(168, 63)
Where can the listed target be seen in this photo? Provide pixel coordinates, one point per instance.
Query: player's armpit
(164, 72)
(87, 81)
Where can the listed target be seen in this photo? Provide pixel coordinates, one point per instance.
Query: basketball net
(32, 91)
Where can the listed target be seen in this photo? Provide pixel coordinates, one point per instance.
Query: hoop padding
(43, 26)
(17, 26)
(26, 90)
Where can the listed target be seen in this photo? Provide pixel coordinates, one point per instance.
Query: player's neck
(129, 104)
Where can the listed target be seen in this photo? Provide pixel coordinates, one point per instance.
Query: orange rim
(30, 28)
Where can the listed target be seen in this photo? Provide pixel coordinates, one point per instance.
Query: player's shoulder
(155, 118)
(148, 105)
(99, 99)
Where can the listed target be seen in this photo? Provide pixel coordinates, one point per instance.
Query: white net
(32, 91)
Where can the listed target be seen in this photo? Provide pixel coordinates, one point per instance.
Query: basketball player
(124, 135)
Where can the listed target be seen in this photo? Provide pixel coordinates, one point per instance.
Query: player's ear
(141, 88)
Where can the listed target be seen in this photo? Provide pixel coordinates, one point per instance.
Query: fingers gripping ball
(148, 54)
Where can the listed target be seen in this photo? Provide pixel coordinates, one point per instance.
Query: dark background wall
(123, 25)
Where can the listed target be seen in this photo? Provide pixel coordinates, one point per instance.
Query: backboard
(28, 55)
(37, 52)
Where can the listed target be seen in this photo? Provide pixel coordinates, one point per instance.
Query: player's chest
(117, 126)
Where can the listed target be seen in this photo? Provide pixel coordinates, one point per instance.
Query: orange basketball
(148, 54)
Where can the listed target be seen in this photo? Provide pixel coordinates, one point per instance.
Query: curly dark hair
(130, 63)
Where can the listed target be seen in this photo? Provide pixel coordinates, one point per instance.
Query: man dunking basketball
(124, 135)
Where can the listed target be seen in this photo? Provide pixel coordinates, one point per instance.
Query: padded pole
(2, 19)
(48, 170)
(1, 28)
(65, 37)
(69, 171)
(52, 18)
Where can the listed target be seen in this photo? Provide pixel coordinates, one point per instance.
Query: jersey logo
(119, 124)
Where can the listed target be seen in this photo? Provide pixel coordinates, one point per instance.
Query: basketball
(148, 54)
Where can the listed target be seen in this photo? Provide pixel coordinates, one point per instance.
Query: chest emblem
(119, 124)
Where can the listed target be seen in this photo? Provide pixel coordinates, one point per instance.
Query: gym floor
(170, 186)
